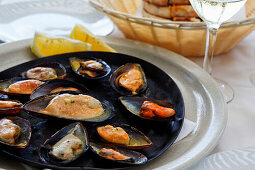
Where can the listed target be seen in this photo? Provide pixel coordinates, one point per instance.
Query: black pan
(160, 86)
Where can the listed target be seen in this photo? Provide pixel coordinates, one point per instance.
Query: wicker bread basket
(185, 38)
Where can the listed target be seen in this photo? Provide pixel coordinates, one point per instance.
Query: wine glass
(213, 13)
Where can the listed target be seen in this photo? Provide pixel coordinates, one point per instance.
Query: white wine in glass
(213, 13)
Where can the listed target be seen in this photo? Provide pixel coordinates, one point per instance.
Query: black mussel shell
(4, 85)
(76, 129)
(59, 68)
(114, 79)
(136, 157)
(25, 132)
(75, 64)
(34, 106)
(11, 110)
(137, 140)
(134, 104)
(47, 87)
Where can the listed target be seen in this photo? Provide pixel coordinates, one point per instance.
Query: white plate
(21, 18)
(229, 160)
(203, 100)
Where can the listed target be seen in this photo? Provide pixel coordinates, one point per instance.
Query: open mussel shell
(11, 110)
(116, 75)
(4, 86)
(59, 68)
(134, 104)
(25, 132)
(34, 106)
(47, 87)
(75, 64)
(76, 129)
(136, 158)
(137, 140)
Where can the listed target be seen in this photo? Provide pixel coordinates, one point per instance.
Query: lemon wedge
(83, 34)
(46, 45)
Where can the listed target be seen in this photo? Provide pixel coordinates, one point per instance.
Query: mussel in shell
(54, 86)
(71, 106)
(18, 86)
(15, 131)
(129, 79)
(118, 154)
(123, 135)
(8, 106)
(89, 67)
(45, 72)
(66, 145)
(150, 109)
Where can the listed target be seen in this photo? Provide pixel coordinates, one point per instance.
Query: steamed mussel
(55, 86)
(8, 106)
(118, 154)
(150, 109)
(19, 86)
(129, 79)
(123, 135)
(66, 145)
(89, 67)
(70, 105)
(45, 71)
(15, 131)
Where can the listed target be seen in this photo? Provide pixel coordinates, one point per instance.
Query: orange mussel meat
(112, 154)
(24, 87)
(150, 109)
(131, 80)
(4, 104)
(59, 89)
(42, 73)
(113, 134)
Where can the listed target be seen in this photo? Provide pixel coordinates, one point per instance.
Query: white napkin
(187, 127)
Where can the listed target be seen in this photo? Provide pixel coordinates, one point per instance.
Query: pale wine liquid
(216, 11)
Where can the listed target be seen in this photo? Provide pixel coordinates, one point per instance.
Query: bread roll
(168, 2)
(164, 12)
(158, 2)
(179, 2)
(183, 11)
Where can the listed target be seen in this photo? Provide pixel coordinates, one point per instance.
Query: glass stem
(212, 30)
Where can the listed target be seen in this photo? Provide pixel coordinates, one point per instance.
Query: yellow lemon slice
(46, 45)
(81, 33)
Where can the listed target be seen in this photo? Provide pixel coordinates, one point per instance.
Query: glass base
(227, 90)
(252, 78)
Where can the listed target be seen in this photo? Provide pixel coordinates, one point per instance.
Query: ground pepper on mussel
(70, 105)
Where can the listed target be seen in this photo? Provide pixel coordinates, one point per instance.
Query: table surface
(235, 68)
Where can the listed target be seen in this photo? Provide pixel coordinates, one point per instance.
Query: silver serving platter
(204, 103)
